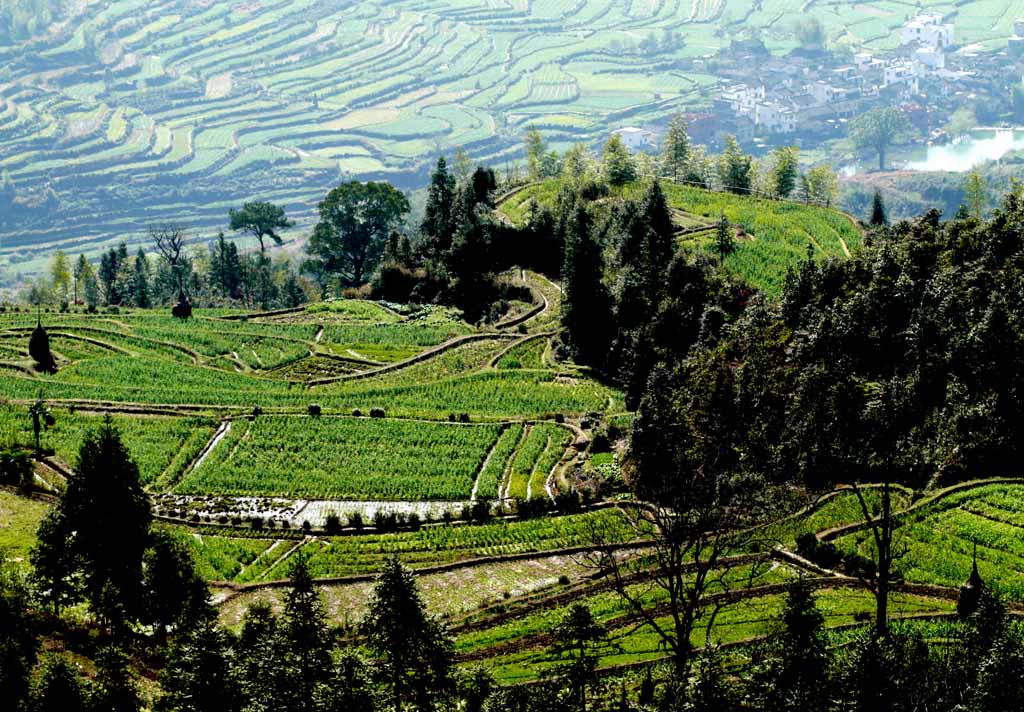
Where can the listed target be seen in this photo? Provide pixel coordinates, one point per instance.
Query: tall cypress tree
(304, 638)
(140, 281)
(878, 215)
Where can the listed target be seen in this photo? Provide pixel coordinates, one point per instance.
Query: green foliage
(260, 220)
(617, 164)
(355, 219)
(878, 129)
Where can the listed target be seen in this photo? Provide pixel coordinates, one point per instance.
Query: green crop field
(120, 115)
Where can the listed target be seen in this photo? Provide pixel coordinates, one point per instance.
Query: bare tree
(170, 242)
(882, 526)
(706, 548)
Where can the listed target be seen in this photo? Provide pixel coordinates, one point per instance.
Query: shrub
(356, 413)
(355, 520)
(306, 526)
(563, 580)
(464, 418)
(413, 521)
(314, 410)
(377, 413)
(257, 411)
(385, 521)
(256, 523)
(332, 523)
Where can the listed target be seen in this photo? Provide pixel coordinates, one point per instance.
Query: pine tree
(438, 224)
(140, 283)
(175, 593)
(115, 686)
(878, 216)
(586, 308)
(107, 509)
(59, 687)
(734, 168)
(581, 638)
(616, 163)
(304, 638)
(414, 648)
(725, 238)
(536, 151)
(675, 151)
(784, 170)
(197, 676)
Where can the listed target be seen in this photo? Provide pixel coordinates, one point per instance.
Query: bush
(332, 523)
(377, 413)
(256, 523)
(257, 411)
(356, 413)
(480, 511)
(464, 418)
(355, 520)
(385, 521)
(314, 410)
(563, 580)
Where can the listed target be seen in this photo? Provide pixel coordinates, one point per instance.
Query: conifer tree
(59, 687)
(586, 308)
(438, 224)
(725, 238)
(878, 216)
(616, 163)
(675, 151)
(413, 648)
(197, 676)
(140, 282)
(304, 639)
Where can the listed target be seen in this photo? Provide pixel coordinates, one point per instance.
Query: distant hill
(129, 113)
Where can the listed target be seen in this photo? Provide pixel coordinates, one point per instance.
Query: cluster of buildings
(812, 94)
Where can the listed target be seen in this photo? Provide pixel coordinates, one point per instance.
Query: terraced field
(126, 114)
(772, 235)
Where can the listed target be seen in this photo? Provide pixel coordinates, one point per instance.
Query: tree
(90, 284)
(793, 671)
(81, 266)
(42, 419)
(961, 122)
(536, 150)
(725, 238)
(581, 638)
(226, 268)
(174, 593)
(54, 565)
(19, 645)
(106, 508)
(616, 164)
(976, 195)
(586, 307)
(462, 165)
(675, 150)
(438, 224)
(197, 676)
(882, 526)
(414, 648)
(59, 687)
(878, 216)
(115, 686)
(140, 283)
(261, 220)
(810, 33)
(355, 220)
(170, 242)
(734, 168)
(304, 639)
(577, 163)
(784, 170)
(878, 129)
(821, 186)
(60, 273)
(39, 349)
(16, 467)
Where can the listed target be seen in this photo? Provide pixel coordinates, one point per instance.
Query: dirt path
(224, 429)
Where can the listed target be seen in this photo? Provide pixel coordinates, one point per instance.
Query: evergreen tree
(536, 151)
(60, 273)
(793, 673)
(115, 687)
(675, 151)
(725, 238)
(258, 662)
(261, 220)
(581, 638)
(438, 226)
(18, 642)
(414, 648)
(197, 676)
(586, 308)
(617, 165)
(976, 195)
(140, 283)
(350, 689)
(469, 260)
(784, 170)
(54, 565)
(175, 593)
(304, 640)
(878, 216)
(734, 168)
(1000, 687)
(106, 508)
(59, 687)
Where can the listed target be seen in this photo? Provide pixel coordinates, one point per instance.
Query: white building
(932, 59)
(928, 30)
(774, 117)
(637, 139)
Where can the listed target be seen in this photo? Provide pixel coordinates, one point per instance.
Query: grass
(19, 519)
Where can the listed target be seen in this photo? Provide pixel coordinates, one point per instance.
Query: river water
(972, 150)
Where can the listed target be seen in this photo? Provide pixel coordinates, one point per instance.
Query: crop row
(344, 458)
